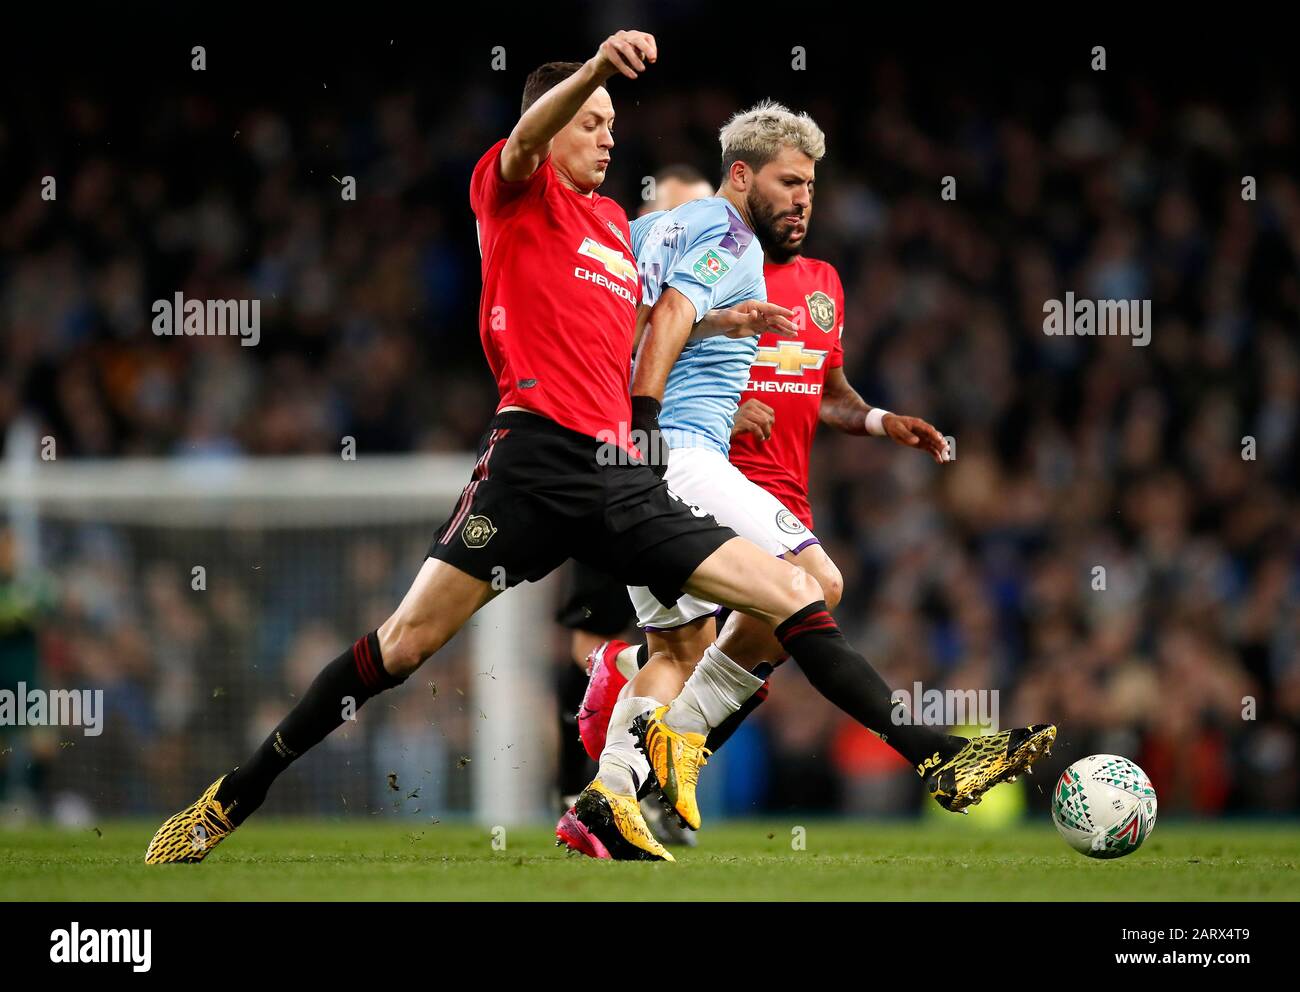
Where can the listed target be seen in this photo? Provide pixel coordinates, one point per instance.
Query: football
(1104, 806)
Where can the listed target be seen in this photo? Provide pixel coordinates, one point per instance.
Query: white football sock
(625, 662)
(716, 689)
(622, 767)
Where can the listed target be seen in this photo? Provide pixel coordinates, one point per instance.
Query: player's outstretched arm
(845, 410)
(626, 52)
(842, 407)
(749, 319)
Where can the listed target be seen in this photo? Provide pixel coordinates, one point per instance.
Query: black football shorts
(539, 495)
(596, 603)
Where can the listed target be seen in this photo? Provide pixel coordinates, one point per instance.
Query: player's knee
(831, 582)
(407, 645)
(804, 589)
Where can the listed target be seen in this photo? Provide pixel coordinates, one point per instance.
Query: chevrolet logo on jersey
(611, 258)
(790, 358)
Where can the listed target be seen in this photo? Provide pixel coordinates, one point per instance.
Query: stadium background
(1072, 453)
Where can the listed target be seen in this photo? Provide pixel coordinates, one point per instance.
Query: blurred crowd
(1116, 547)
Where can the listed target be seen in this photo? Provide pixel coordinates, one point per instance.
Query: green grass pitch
(843, 860)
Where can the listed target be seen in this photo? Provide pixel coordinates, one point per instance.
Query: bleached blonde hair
(756, 136)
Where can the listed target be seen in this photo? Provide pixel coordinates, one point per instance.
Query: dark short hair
(543, 78)
(682, 173)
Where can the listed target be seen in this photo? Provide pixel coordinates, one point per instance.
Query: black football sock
(843, 676)
(720, 734)
(358, 673)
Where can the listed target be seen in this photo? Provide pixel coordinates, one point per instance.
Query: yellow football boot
(191, 834)
(616, 824)
(963, 779)
(675, 760)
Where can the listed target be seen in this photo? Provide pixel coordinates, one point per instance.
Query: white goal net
(202, 596)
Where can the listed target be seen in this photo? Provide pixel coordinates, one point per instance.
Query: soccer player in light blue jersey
(699, 262)
(707, 252)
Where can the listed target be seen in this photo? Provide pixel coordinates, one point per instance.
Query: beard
(777, 243)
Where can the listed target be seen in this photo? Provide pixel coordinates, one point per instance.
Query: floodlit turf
(279, 860)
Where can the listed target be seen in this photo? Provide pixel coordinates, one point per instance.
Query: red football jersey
(788, 375)
(560, 287)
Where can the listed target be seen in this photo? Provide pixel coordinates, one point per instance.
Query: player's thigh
(439, 602)
(742, 576)
(683, 645)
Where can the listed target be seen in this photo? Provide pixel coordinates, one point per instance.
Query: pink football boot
(606, 681)
(571, 833)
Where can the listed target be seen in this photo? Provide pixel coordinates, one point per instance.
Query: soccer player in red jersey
(798, 382)
(557, 320)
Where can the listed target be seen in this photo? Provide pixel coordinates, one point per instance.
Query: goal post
(173, 551)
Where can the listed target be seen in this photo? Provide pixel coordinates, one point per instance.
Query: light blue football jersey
(705, 251)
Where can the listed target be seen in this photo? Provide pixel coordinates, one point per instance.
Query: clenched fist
(626, 52)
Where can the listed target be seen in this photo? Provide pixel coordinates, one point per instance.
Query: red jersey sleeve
(490, 194)
(836, 358)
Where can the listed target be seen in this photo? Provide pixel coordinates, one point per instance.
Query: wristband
(876, 421)
(645, 424)
(645, 413)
